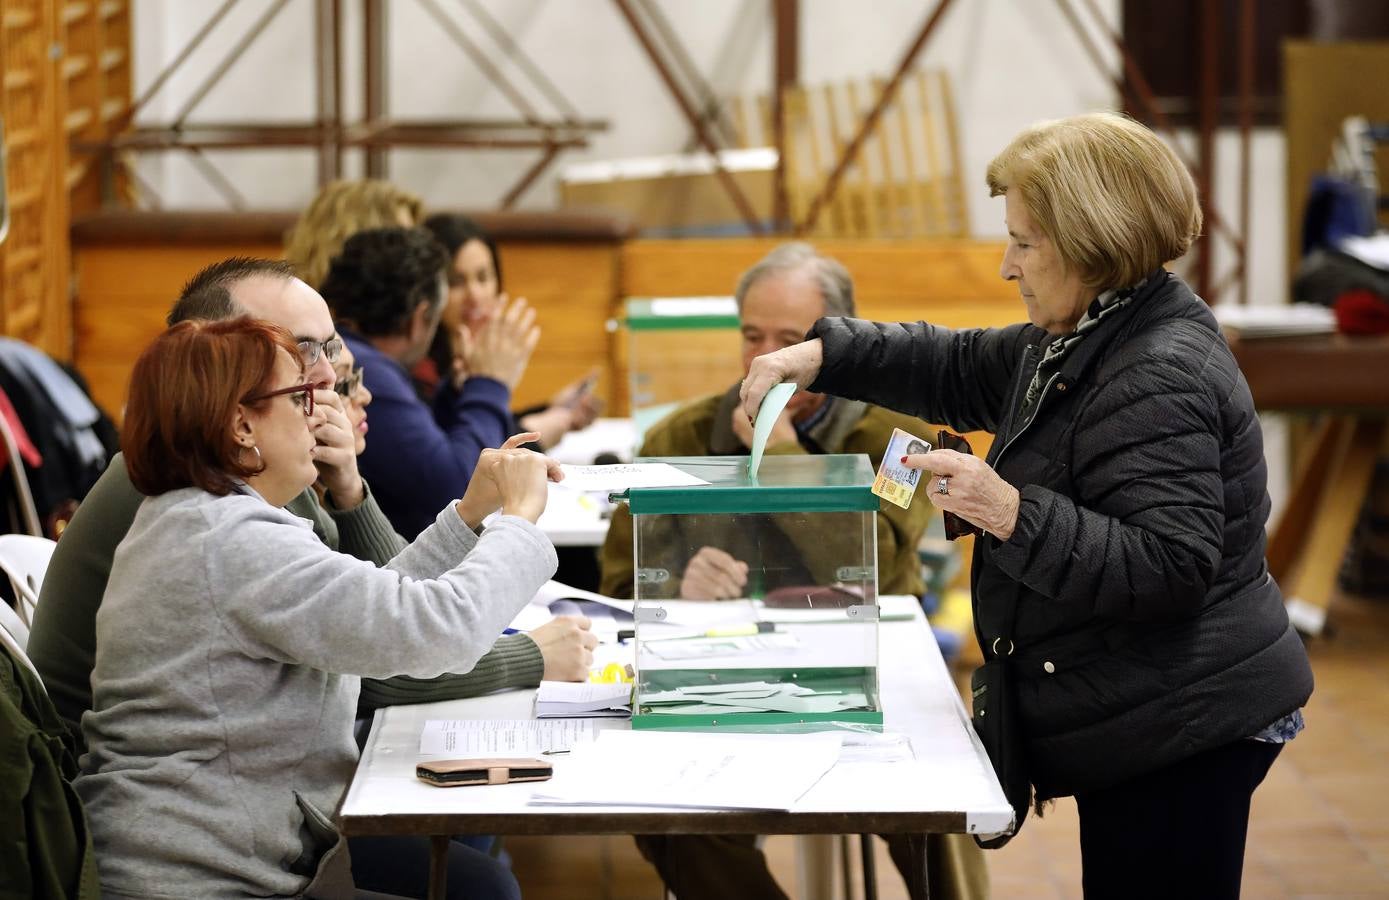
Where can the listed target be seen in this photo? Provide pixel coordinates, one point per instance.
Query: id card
(895, 482)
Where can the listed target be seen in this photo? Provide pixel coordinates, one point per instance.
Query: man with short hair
(779, 299)
(387, 288)
(62, 643)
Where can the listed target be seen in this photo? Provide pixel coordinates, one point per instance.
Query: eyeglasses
(348, 385)
(309, 350)
(955, 527)
(306, 399)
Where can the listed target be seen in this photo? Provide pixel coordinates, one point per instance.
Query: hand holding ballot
(798, 364)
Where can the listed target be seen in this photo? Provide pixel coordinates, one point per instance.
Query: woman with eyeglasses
(231, 640)
(355, 396)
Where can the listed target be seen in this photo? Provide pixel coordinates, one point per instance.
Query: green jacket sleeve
(62, 642)
(45, 848)
(513, 662)
(365, 532)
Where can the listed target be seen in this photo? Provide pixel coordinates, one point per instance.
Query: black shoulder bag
(995, 719)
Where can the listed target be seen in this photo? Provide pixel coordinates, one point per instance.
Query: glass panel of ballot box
(756, 597)
(678, 349)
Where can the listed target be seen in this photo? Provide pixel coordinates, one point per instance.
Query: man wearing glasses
(62, 643)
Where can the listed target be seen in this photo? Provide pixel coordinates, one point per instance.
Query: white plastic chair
(24, 558)
(15, 637)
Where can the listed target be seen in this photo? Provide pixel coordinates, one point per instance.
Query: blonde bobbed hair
(1111, 196)
(340, 210)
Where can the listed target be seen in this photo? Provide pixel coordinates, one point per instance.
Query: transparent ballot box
(756, 598)
(679, 349)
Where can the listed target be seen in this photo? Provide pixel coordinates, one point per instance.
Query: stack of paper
(501, 737)
(586, 699)
(709, 771)
(749, 696)
(1293, 320)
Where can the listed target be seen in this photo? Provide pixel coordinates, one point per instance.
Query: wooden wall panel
(124, 292)
(1323, 83)
(954, 283)
(33, 258)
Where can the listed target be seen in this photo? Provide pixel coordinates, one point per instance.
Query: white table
(950, 787)
(609, 435)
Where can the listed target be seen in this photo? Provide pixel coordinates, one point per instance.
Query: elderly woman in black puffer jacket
(1123, 506)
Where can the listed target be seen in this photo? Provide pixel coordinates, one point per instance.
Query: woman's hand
(551, 423)
(578, 398)
(799, 363)
(566, 645)
(974, 491)
(510, 479)
(713, 574)
(502, 348)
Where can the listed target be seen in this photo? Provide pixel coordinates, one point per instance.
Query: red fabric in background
(27, 451)
(1362, 312)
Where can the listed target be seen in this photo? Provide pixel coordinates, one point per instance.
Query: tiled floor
(1319, 828)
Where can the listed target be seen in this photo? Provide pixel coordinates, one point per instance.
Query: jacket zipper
(1041, 398)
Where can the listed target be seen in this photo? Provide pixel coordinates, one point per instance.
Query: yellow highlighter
(612, 673)
(741, 630)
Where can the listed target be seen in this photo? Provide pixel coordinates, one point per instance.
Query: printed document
(620, 477)
(691, 769)
(503, 737)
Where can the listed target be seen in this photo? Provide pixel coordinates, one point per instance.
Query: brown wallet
(487, 770)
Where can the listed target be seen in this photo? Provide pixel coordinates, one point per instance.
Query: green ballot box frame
(830, 491)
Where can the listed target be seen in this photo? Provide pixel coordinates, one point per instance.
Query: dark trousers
(1175, 832)
(400, 866)
(724, 866)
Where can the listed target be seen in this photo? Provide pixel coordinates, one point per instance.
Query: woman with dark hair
(475, 301)
(230, 640)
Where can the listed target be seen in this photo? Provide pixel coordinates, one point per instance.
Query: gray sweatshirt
(229, 646)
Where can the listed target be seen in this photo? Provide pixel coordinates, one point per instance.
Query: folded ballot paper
(691, 769)
(584, 699)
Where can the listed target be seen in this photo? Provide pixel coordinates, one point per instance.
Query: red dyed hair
(184, 393)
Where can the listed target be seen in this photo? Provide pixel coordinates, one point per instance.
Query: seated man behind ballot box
(779, 299)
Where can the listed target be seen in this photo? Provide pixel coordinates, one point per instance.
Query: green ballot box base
(757, 699)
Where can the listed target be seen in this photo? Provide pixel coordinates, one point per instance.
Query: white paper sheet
(772, 405)
(622, 476)
(709, 771)
(558, 590)
(502, 737)
(583, 698)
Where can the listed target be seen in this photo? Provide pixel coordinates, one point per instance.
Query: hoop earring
(259, 459)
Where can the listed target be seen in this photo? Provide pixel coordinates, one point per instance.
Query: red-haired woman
(230, 638)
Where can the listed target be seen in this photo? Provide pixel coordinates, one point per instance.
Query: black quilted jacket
(1147, 627)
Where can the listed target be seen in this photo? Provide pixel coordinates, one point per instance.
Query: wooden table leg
(1310, 581)
(1289, 533)
(815, 865)
(438, 866)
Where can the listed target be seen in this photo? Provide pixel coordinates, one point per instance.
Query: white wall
(1012, 62)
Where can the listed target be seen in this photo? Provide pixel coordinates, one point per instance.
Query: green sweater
(62, 642)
